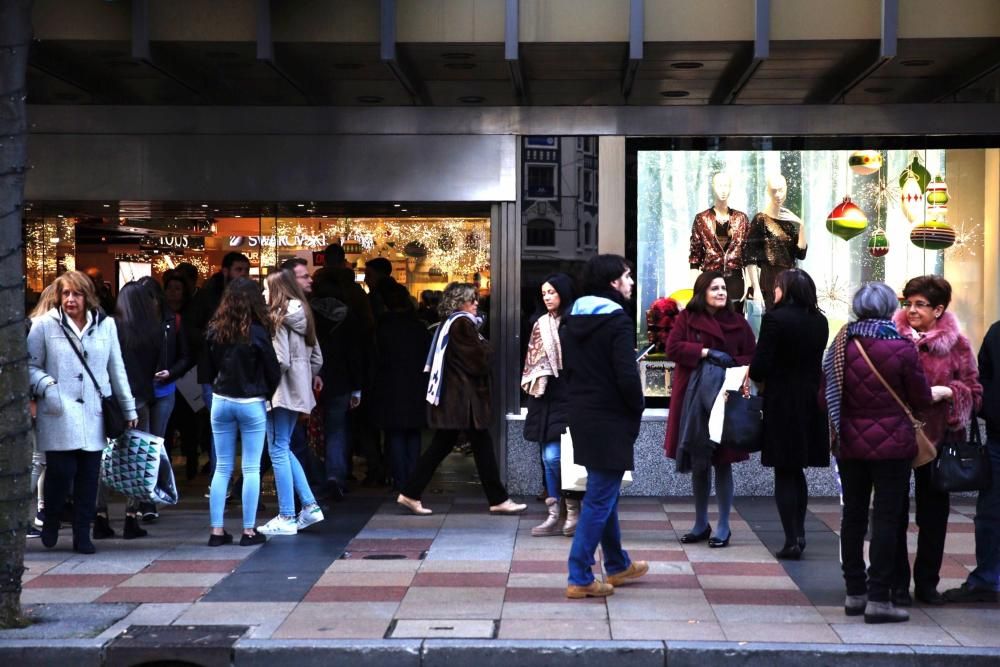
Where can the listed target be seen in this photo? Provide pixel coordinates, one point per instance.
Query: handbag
(574, 477)
(963, 466)
(136, 465)
(743, 421)
(926, 451)
(111, 410)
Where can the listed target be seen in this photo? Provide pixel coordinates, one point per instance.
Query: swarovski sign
(296, 241)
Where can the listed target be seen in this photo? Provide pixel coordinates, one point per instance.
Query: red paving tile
(644, 524)
(389, 546)
(542, 566)
(76, 580)
(746, 569)
(664, 555)
(639, 507)
(953, 570)
(964, 559)
(193, 566)
(463, 579)
(544, 595)
(768, 597)
(355, 594)
(153, 594)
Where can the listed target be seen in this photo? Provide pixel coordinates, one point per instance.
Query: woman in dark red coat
(707, 330)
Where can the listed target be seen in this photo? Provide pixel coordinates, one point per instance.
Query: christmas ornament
(865, 163)
(911, 199)
(878, 243)
(846, 220)
(937, 198)
(917, 171)
(682, 296)
(933, 235)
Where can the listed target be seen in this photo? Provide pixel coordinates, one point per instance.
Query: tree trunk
(15, 420)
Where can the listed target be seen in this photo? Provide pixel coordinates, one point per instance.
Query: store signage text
(173, 242)
(297, 241)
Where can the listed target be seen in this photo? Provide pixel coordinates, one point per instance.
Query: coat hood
(590, 313)
(939, 341)
(295, 318)
(97, 316)
(330, 308)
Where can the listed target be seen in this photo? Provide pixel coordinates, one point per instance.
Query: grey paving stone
(79, 653)
(530, 653)
(730, 654)
(67, 621)
(443, 628)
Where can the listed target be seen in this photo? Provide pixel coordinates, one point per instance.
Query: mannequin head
(777, 190)
(722, 185)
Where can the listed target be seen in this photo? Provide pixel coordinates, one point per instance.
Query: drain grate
(384, 557)
(205, 645)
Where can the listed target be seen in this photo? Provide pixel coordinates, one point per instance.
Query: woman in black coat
(400, 381)
(789, 360)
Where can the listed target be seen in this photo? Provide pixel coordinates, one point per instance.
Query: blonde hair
(78, 282)
(282, 287)
(47, 300)
(455, 296)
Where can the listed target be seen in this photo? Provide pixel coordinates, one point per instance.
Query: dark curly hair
(242, 305)
(935, 288)
(699, 301)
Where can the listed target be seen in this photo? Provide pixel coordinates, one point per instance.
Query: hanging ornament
(878, 243)
(917, 171)
(846, 220)
(911, 199)
(937, 199)
(933, 235)
(865, 163)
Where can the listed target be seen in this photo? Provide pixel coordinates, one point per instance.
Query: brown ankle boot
(551, 524)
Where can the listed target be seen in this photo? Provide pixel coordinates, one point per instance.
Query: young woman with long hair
(301, 361)
(238, 360)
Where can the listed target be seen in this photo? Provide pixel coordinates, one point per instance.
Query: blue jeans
(335, 407)
(250, 421)
(550, 460)
(159, 413)
(289, 477)
(598, 524)
(403, 446)
(987, 572)
(206, 395)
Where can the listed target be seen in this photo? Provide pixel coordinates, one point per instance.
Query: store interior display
(718, 238)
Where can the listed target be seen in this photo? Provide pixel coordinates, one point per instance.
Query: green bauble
(878, 244)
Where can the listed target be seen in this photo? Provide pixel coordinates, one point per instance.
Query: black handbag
(743, 420)
(115, 423)
(963, 466)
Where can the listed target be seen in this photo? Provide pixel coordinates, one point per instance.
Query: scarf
(544, 358)
(835, 360)
(435, 356)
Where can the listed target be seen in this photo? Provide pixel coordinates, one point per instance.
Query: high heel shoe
(716, 543)
(692, 538)
(789, 552)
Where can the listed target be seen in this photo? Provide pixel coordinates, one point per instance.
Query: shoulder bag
(743, 423)
(926, 451)
(963, 466)
(114, 418)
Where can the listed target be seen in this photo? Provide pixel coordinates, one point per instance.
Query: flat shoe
(508, 507)
(414, 506)
(716, 543)
(693, 538)
(789, 552)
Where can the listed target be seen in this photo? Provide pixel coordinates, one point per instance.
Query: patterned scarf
(833, 367)
(435, 356)
(544, 358)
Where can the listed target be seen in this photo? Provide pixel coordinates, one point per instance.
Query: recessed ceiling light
(300, 205)
(674, 93)
(107, 206)
(204, 205)
(402, 209)
(397, 205)
(460, 65)
(237, 216)
(455, 55)
(687, 64)
(471, 99)
(878, 90)
(370, 99)
(916, 62)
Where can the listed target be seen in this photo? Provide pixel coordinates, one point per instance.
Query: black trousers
(76, 469)
(791, 493)
(441, 445)
(890, 480)
(932, 512)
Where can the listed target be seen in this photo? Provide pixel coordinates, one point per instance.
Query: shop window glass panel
(541, 234)
(541, 180)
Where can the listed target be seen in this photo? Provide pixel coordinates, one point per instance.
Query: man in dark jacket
(605, 408)
(983, 583)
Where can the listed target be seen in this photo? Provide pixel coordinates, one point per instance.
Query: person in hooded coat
(605, 408)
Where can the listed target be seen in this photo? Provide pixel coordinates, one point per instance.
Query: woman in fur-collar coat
(950, 366)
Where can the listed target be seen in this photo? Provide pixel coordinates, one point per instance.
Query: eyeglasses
(916, 304)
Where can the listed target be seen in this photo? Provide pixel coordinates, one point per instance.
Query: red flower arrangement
(660, 320)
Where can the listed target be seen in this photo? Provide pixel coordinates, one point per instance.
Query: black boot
(132, 529)
(50, 532)
(102, 528)
(81, 540)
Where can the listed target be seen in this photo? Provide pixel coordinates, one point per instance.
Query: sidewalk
(370, 572)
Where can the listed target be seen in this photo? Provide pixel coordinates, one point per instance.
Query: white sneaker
(309, 516)
(279, 525)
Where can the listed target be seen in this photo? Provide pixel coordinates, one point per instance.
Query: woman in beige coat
(301, 360)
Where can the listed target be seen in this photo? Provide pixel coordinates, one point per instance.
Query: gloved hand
(720, 358)
(941, 393)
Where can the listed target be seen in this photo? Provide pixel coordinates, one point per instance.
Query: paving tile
(771, 569)
(734, 552)
(76, 581)
(563, 629)
(307, 625)
(970, 615)
(68, 595)
(669, 555)
(543, 566)
(675, 567)
(410, 533)
(444, 629)
(355, 594)
(675, 605)
(837, 615)
(729, 581)
(388, 545)
(263, 617)
(488, 566)
(730, 596)
(147, 614)
(756, 613)
(797, 633)
(666, 630)
(153, 594)
(645, 524)
(974, 635)
(893, 633)
(360, 565)
(544, 612)
(192, 566)
(451, 603)
(122, 564)
(537, 555)
(546, 595)
(460, 579)
(202, 552)
(365, 579)
(182, 579)
(37, 567)
(538, 579)
(665, 581)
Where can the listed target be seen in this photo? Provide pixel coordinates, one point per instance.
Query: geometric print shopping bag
(137, 466)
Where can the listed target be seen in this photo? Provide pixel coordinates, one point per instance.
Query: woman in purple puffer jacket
(874, 443)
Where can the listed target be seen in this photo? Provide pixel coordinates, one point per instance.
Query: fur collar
(939, 341)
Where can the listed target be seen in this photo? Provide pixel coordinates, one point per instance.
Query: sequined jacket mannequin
(775, 242)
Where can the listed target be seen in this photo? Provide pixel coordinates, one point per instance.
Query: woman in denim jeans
(240, 358)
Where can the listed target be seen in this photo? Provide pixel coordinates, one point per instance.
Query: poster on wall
(129, 271)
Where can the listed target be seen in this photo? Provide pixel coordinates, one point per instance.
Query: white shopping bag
(574, 477)
(190, 390)
(734, 379)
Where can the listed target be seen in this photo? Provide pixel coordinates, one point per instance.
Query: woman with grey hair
(867, 371)
(458, 392)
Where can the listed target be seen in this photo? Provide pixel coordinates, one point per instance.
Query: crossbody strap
(79, 355)
(885, 384)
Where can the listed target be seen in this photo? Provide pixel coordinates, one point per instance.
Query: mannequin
(777, 239)
(718, 239)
